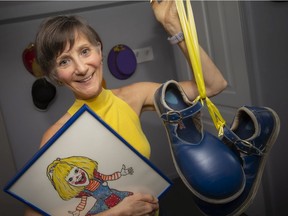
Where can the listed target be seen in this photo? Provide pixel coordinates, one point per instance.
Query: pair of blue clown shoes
(224, 173)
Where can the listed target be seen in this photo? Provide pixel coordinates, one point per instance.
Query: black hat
(43, 92)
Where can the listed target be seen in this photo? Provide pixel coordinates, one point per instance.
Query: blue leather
(175, 116)
(206, 165)
(253, 132)
(209, 167)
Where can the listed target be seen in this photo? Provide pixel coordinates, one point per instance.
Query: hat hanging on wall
(122, 61)
(43, 93)
(29, 61)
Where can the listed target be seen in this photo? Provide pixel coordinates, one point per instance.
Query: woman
(70, 52)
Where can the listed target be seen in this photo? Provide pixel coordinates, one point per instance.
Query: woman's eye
(63, 62)
(70, 179)
(85, 51)
(76, 171)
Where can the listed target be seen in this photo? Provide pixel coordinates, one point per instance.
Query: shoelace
(191, 39)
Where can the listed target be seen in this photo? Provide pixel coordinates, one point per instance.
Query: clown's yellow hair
(60, 168)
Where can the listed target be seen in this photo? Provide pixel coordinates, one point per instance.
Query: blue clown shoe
(205, 164)
(253, 132)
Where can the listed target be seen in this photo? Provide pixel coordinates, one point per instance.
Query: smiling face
(77, 177)
(80, 68)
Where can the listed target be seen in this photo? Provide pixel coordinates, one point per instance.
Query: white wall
(266, 33)
(131, 23)
(118, 24)
(8, 205)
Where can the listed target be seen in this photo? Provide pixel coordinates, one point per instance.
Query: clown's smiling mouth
(82, 179)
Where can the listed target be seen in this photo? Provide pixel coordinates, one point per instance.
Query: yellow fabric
(157, 213)
(191, 39)
(118, 115)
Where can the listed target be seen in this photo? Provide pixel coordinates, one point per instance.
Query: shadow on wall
(8, 205)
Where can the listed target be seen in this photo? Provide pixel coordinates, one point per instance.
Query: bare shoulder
(139, 88)
(54, 128)
(138, 95)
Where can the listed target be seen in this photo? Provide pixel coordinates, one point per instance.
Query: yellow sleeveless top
(119, 116)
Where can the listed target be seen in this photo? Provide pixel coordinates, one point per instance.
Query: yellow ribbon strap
(191, 39)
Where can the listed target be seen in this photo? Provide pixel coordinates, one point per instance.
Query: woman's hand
(166, 13)
(136, 205)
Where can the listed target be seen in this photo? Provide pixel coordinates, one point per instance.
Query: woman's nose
(80, 67)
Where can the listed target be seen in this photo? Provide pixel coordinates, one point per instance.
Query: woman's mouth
(86, 79)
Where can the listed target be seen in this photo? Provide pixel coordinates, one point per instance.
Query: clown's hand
(125, 171)
(74, 213)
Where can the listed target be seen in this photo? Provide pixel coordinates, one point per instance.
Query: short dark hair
(53, 36)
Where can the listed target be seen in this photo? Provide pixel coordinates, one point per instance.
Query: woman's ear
(99, 48)
(99, 45)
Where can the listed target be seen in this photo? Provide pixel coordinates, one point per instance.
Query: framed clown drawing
(84, 169)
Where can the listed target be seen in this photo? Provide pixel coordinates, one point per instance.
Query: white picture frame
(84, 136)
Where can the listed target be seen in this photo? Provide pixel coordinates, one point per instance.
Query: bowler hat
(43, 93)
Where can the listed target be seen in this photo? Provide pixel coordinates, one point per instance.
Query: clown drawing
(77, 177)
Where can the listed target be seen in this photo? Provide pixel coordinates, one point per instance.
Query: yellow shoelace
(191, 39)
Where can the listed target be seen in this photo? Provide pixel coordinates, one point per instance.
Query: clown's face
(77, 177)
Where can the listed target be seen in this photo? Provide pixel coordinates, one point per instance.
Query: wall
(131, 23)
(266, 33)
(220, 31)
(8, 205)
(263, 37)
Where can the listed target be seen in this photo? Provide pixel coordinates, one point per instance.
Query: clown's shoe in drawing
(206, 165)
(253, 132)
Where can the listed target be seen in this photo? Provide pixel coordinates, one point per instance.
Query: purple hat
(122, 61)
